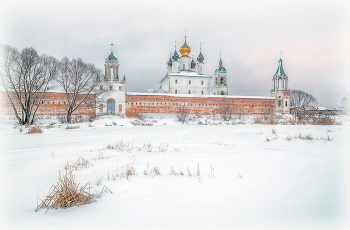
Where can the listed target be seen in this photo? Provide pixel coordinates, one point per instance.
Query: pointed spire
(220, 62)
(280, 70)
(111, 48)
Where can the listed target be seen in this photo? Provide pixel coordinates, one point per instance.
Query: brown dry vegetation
(35, 129)
(66, 193)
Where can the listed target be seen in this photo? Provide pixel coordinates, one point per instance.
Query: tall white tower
(113, 99)
(280, 90)
(220, 85)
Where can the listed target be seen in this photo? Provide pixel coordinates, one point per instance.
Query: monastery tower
(280, 90)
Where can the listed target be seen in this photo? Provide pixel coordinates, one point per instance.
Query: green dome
(112, 57)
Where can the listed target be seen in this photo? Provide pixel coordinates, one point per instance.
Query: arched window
(175, 81)
(175, 91)
(189, 91)
(279, 103)
(286, 103)
(189, 82)
(202, 82)
(222, 80)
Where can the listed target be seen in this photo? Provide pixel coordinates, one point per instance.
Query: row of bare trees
(26, 76)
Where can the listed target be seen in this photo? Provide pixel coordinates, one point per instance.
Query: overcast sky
(313, 36)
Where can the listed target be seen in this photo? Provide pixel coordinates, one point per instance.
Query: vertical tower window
(189, 91)
(183, 66)
(189, 82)
(175, 91)
(286, 103)
(202, 92)
(202, 82)
(120, 88)
(175, 81)
(279, 103)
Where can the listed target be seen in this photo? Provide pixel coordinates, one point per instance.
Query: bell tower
(280, 89)
(220, 86)
(112, 91)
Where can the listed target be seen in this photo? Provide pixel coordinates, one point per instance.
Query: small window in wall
(120, 108)
(175, 81)
(111, 87)
(286, 103)
(216, 80)
(222, 81)
(175, 91)
(183, 66)
(202, 82)
(189, 82)
(101, 87)
(279, 103)
(120, 88)
(189, 91)
(279, 96)
(214, 93)
(202, 92)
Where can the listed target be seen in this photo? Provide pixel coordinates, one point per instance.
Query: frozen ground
(257, 184)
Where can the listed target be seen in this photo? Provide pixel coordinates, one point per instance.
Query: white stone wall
(182, 86)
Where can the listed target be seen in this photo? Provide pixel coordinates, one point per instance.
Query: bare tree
(301, 99)
(183, 113)
(25, 76)
(345, 104)
(78, 80)
(226, 110)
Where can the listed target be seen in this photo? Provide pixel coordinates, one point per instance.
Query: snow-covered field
(285, 183)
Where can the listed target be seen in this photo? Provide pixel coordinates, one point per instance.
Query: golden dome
(185, 49)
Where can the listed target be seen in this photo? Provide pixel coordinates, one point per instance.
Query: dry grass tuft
(130, 170)
(35, 129)
(72, 127)
(306, 137)
(156, 170)
(163, 147)
(173, 172)
(66, 193)
(267, 139)
(288, 138)
(274, 131)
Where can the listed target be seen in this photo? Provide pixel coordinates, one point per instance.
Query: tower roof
(221, 67)
(280, 70)
(193, 64)
(112, 56)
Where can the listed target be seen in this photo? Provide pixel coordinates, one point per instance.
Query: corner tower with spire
(280, 89)
(220, 86)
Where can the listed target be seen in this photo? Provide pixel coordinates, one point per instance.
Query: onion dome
(175, 56)
(280, 70)
(170, 62)
(200, 57)
(185, 49)
(193, 64)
